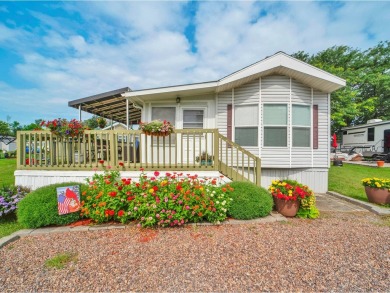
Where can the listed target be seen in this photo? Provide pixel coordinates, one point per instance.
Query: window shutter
(315, 126)
(229, 121)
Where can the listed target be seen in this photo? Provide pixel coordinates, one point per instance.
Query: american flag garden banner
(68, 199)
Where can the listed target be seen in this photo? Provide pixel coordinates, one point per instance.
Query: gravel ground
(338, 252)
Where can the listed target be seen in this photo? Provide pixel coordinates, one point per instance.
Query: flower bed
(169, 200)
(9, 197)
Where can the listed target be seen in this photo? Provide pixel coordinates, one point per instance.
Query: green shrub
(39, 208)
(249, 201)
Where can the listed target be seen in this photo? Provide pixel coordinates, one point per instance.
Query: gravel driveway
(338, 252)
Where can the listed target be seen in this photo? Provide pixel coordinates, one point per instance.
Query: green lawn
(8, 224)
(7, 169)
(347, 179)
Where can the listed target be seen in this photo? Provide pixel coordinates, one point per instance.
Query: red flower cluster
(289, 190)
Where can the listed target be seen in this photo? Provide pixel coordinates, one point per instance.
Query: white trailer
(370, 139)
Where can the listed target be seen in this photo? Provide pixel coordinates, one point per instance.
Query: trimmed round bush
(249, 201)
(39, 208)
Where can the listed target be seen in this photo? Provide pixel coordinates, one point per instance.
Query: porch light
(178, 100)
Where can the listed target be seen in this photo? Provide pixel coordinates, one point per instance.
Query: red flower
(101, 162)
(141, 169)
(178, 187)
(156, 173)
(120, 187)
(130, 198)
(121, 164)
(155, 188)
(112, 193)
(121, 213)
(109, 212)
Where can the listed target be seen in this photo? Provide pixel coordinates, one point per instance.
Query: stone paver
(329, 203)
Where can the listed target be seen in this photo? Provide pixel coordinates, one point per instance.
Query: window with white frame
(301, 126)
(193, 119)
(164, 113)
(275, 125)
(246, 122)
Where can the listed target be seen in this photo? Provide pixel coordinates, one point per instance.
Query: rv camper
(371, 139)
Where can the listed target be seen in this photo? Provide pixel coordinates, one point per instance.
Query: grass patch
(347, 179)
(7, 169)
(9, 225)
(60, 260)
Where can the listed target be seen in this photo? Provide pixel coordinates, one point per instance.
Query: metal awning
(110, 105)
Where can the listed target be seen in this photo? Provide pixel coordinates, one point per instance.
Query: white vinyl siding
(224, 99)
(321, 155)
(247, 94)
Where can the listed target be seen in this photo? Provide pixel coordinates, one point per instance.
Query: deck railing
(185, 149)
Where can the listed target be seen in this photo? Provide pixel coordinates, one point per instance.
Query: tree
(4, 128)
(15, 126)
(91, 122)
(367, 93)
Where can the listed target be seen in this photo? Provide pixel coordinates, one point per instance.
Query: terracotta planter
(380, 163)
(377, 195)
(287, 208)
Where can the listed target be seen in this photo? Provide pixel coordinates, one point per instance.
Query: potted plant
(287, 195)
(157, 128)
(377, 190)
(101, 122)
(64, 128)
(205, 159)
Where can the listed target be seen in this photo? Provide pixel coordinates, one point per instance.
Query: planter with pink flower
(156, 128)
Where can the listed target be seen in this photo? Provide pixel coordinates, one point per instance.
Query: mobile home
(371, 137)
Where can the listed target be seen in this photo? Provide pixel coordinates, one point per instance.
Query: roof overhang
(280, 63)
(110, 105)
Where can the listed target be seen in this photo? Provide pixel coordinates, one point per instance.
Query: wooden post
(216, 150)
(19, 148)
(113, 159)
(258, 171)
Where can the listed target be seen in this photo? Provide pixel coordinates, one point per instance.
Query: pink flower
(156, 173)
(157, 216)
(166, 199)
(187, 207)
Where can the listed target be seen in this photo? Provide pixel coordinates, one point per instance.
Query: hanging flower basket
(64, 128)
(156, 128)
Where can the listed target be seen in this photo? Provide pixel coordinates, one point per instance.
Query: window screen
(193, 119)
(164, 113)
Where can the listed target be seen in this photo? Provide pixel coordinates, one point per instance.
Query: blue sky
(54, 52)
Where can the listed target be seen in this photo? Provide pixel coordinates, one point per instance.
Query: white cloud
(101, 46)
